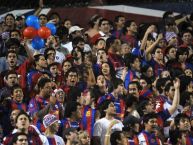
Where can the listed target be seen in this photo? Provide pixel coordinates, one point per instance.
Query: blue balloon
(37, 26)
(52, 28)
(37, 43)
(32, 21)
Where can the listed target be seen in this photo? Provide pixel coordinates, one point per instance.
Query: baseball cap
(75, 28)
(49, 119)
(169, 36)
(58, 90)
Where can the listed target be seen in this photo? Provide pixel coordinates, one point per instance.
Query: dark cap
(130, 121)
(21, 17)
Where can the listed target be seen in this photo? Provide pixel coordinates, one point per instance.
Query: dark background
(181, 6)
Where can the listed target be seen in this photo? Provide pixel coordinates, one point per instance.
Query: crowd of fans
(115, 83)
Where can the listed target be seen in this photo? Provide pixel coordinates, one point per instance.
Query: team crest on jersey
(87, 113)
(56, 106)
(152, 140)
(31, 105)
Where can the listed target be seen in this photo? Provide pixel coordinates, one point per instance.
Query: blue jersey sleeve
(165, 114)
(33, 107)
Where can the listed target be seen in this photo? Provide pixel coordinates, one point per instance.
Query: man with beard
(22, 124)
(147, 136)
(43, 103)
(51, 123)
(134, 89)
(108, 114)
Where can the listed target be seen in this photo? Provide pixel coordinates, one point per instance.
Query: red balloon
(44, 32)
(29, 32)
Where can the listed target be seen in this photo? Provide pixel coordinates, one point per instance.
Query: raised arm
(176, 99)
(183, 19)
(149, 30)
(150, 48)
(91, 81)
(49, 107)
(41, 4)
(124, 73)
(27, 49)
(108, 133)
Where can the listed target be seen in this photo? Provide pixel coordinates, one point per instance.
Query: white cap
(49, 119)
(58, 90)
(75, 28)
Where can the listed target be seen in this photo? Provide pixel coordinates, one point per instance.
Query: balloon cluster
(36, 33)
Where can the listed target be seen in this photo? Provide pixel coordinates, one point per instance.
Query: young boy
(17, 98)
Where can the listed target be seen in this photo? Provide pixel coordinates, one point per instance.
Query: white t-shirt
(59, 57)
(178, 110)
(101, 125)
(58, 140)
